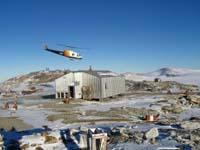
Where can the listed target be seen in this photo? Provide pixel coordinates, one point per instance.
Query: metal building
(90, 84)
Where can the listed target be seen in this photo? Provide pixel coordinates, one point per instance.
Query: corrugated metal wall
(94, 83)
(70, 79)
(112, 86)
(78, 80)
(63, 82)
(101, 87)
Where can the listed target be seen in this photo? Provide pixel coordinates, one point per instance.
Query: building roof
(99, 73)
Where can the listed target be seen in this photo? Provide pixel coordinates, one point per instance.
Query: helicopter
(69, 53)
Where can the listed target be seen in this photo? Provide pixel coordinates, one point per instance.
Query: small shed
(90, 84)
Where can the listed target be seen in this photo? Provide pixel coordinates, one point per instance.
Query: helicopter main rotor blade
(71, 47)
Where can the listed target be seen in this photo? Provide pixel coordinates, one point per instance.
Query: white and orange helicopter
(69, 53)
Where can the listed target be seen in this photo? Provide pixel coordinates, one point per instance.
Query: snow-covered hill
(182, 75)
(35, 83)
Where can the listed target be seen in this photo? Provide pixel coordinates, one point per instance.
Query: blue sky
(128, 35)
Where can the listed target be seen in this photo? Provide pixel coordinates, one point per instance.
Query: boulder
(24, 146)
(173, 133)
(123, 130)
(138, 137)
(152, 134)
(195, 135)
(166, 109)
(164, 122)
(120, 134)
(83, 113)
(39, 148)
(50, 139)
(83, 128)
(177, 110)
(117, 130)
(182, 101)
(172, 109)
(33, 145)
(190, 125)
(194, 99)
(1, 138)
(124, 137)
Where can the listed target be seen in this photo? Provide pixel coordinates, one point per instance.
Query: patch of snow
(142, 102)
(135, 76)
(108, 74)
(193, 112)
(34, 116)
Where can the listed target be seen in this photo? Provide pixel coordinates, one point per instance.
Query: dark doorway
(62, 95)
(72, 91)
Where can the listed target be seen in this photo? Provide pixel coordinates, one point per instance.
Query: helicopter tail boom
(53, 51)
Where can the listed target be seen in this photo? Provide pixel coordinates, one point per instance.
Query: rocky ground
(41, 125)
(159, 87)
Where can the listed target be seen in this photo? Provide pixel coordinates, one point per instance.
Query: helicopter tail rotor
(45, 47)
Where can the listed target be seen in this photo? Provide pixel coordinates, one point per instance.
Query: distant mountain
(173, 72)
(182, 75)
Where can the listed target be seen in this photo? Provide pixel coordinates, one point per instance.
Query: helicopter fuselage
(66, 53)
(71, 54)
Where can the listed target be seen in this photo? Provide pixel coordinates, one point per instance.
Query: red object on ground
(152, 118)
